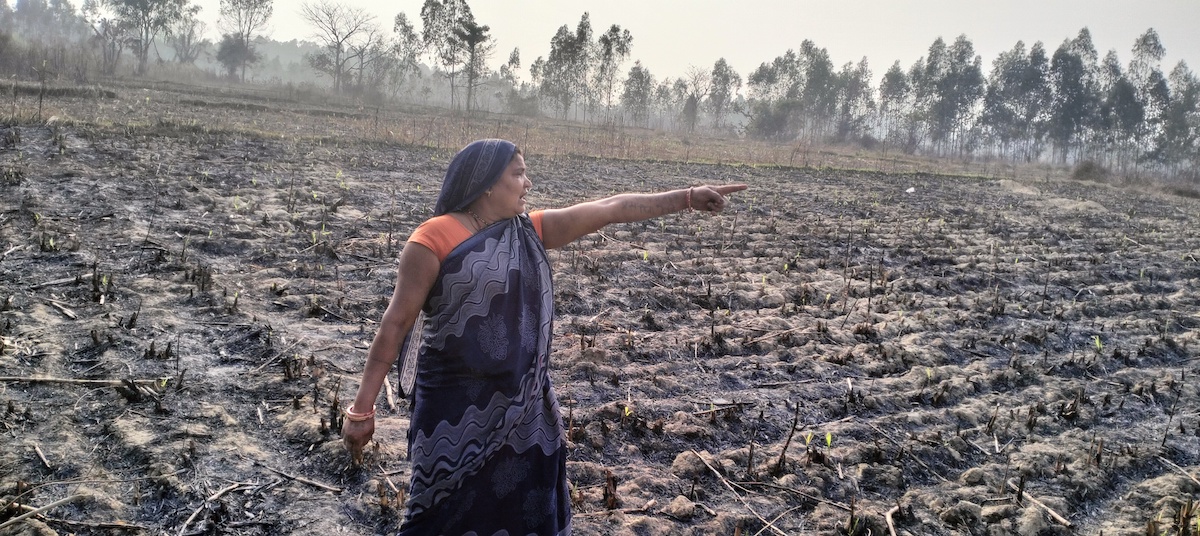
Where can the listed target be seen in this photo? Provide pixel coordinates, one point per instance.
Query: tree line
(1030, 104)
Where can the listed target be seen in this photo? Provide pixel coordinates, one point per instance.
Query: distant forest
(1065, 106)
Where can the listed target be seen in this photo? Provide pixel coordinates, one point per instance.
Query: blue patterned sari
(486, 438)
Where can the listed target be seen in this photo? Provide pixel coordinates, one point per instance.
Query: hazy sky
(671, 35)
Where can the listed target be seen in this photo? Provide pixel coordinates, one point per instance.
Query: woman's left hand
(712, 198)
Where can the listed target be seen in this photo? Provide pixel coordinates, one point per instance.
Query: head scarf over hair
(474, 169)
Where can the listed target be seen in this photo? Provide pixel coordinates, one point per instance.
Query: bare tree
(365, 56)
(693, 87)
(242, 19)
(108, 33)
(338, 27)
(186, 36)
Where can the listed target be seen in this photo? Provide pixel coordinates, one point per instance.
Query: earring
(489, 193)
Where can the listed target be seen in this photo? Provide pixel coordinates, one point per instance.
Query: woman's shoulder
(441, 234)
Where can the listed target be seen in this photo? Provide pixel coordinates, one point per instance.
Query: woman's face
(508, 194)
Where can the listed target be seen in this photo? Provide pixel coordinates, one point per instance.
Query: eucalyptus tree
(856, 103)
(783, 78)
(552, 75)
(819, 99)
(1121, 114)
(146, 19)
(1035, 101)
(638, 95)
(1002, 97)
(1016, 99)
(613, 47)
(582, 61)
(797, 93)
(662, 102)
(1074, 99)
(477, 47)
(337, 28)
(1178, 145)
(563, 75)
(775, 91)
(1091, 144)
(894, 104)
(242, 19)
(509, 72)
(440, 20)
(1145, 73)
(724, 85)
(949, 87)
(406, 50)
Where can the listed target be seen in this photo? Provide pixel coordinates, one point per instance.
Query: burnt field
(183, 309)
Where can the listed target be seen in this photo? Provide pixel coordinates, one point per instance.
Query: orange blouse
(441, 234)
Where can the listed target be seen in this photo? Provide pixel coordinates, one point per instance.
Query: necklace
(478, 220)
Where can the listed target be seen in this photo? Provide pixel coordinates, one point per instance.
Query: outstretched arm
(562, 226)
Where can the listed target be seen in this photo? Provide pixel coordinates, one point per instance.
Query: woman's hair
(473, 170)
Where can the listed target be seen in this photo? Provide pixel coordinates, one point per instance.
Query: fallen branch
(775, 334)
(888, 517)
(37, 511)
(66, 311)
(211, 498)
(275, 357)
(814, 498)
(63, 281)
(780, 516)
(1062, 520)
(773, 385)
(717, 408)
(77, 381)
(725, 481)
(104, 525)
(300, 479)
(1178, 468)
(391, 395)
(335, 315)
(42, 456)
(10, 250)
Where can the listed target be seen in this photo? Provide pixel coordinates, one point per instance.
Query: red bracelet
(688, 198)
(359, 417)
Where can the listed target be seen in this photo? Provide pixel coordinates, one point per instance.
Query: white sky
(671, 35)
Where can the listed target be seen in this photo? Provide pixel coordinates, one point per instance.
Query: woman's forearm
(624, 208)
(385, 348)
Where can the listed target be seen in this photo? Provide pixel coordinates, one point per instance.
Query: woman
(486, 437)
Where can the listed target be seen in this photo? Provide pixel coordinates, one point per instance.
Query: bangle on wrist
(359, 417)
(688, 198)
